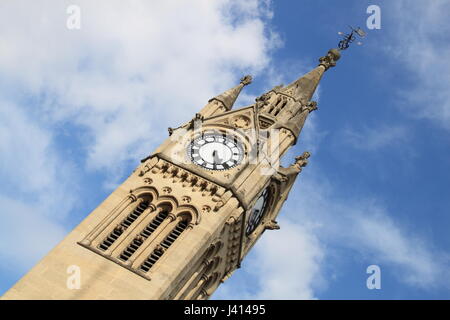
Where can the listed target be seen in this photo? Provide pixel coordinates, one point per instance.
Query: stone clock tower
(182, 222)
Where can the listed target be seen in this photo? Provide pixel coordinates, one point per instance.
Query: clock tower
(186, 217)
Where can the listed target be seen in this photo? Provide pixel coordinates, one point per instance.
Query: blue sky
(80, 108)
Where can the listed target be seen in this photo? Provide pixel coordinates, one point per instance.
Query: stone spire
(228, 97)
(304, 87)
(291, 105)
(224, 101)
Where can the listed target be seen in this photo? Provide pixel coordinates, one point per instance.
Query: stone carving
(280, 177)
(310, 106)
(189, 125)
(264, 123)
(206, 209)
(301, 161)
(330, 59)
(146, 168)
(186, 199)
(245, 80)
(262, 101)
(167, 190)
(241, 121)
(226, 276)
(196, 121)
(271, 225)
(283, 174)
(148, 181)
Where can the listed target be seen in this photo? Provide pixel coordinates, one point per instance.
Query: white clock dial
(216, 151)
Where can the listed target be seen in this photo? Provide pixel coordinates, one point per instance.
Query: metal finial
(350, 37)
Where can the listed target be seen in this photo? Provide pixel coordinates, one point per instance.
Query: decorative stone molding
(167, 190)
(148, 181)
(234, 236)
(186, 199)
(262, 100)
(226, 276)
(206, 209)
(330, 59)
(265, 123)
(241, 121)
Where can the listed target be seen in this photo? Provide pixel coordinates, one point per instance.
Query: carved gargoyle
(262, 100)
(301, 161)
(283, 174)
(310, 106)
(271, 225)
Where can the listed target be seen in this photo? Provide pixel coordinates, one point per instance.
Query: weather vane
(350, 37)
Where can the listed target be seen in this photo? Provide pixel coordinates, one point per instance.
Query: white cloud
(27, 234)
(283, 264)
(366, 227)
(302, 258)
(375, 138)
(112, 87)
(289, 263)
(419, 41)
(320, 222)
(36, 192)
(116, 76)
(31, 168)
(418, 264)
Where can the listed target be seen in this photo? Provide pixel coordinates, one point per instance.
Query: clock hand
(216, 157)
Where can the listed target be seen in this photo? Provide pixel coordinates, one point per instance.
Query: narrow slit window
(164, 245)
(143, 235)
(123, 225)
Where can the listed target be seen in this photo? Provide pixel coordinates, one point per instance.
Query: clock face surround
(216, 151)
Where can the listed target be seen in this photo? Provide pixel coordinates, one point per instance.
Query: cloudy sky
(79, 109)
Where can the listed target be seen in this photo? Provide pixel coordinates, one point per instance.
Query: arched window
(160, 249)
(143, 235)
(139, 230)
(123, 225)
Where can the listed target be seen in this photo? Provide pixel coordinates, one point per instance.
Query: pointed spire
(292, 104)
(304, 87)
(229, 97)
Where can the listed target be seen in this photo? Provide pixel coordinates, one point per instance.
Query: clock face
(216, 151)
(258, 211)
